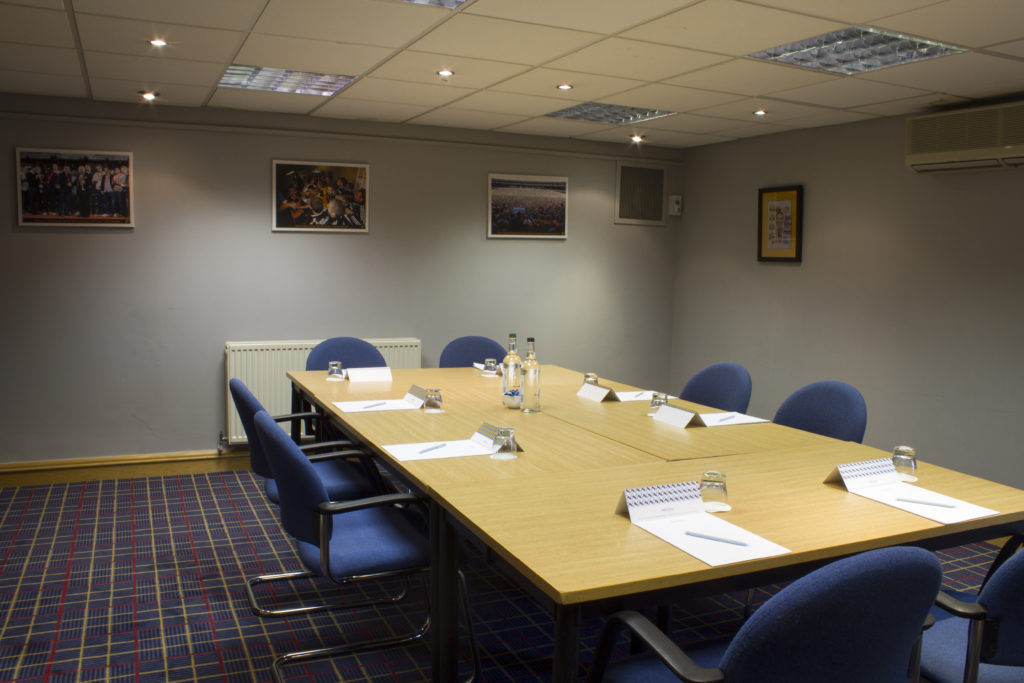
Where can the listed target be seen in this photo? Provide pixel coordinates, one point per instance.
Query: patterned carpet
(143, 580)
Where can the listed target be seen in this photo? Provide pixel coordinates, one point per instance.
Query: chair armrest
(296, 416)
(336, 455)
(334, 507)
(659, 643)
(960, 608)
(340, 443)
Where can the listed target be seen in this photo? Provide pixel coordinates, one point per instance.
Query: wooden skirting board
(121, 467)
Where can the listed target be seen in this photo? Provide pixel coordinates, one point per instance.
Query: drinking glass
(506, 440)
(590, 377)
(432, 404)
(904, 459)
(713, 492)
(658, 399)
(334, 371)
(490, 366)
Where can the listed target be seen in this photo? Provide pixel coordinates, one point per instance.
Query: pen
(374, 405)
(433, 448)
(925, 502)
(728, 417)
(715, 538)
(640, 394)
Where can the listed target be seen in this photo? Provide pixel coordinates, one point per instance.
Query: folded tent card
(381, 374)
(675, 514)
(481, 443)
(684, 418)
(412, 400)
(878, 480)
(598, 393)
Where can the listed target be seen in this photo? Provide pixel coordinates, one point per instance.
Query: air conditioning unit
(983, 137)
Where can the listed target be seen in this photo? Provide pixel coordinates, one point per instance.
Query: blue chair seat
(945, 650)
(370, 541)
(342, 480)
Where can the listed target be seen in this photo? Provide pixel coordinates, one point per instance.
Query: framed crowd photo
(75, 188)
(320, 196)
(526, 206)
(780, 224)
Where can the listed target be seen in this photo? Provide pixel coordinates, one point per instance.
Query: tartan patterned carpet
(143, 580)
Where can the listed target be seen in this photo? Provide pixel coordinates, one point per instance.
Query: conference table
(551, 513)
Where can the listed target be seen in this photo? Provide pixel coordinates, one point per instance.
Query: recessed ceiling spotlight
(565, 86)
(759, 112)
(637, 138)
(149, 96)
(158, 42)
(446, 73)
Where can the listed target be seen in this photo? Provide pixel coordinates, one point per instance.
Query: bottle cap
(529, 339)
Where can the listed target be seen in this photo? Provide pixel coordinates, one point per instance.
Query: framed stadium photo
(526, 206)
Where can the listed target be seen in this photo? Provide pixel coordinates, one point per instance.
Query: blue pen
(727, 418)
(433, 448)
(374, 405)
(708, 537)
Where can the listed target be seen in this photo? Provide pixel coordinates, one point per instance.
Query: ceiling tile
(965, 75)
(229, 14)
(142, 69)
(858, 12)
(546, 125)
(750, 77)
(912, 105)
(258, 100)
(47, 60)
(19, 24)
(690, 123)
(1015, 48)
(42, 4)
(847, 92)
(598, 16)
(636, 60)
(741, 110)
(671, 97)
(504, 41)
(42, 84)
(365, 110)
(317, 56)
(131, 37)
(751, 27)
(955, 21)
(422, 67)
(403, 92)
(659, 138)
(527, 105)
(586, 87)
(464, 118)
(368, 22)
(826, 117)
(128, 91)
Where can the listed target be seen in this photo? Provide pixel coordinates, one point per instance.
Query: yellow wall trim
(121, 467)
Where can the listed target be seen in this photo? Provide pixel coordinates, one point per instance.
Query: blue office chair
(352, 352)
(725, 386)
(979, 638)
(829, 408)
(345, 541)
(856, 620)
(342, 479)
(462, 352)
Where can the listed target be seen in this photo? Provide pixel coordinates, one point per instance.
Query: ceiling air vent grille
(973, 138)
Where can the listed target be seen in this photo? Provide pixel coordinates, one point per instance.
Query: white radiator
(262, 366)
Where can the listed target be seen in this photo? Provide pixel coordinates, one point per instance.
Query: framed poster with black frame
(780, 223)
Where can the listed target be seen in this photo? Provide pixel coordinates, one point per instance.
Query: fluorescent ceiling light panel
(609, 113)
(450, 4)
(283, 80)
(855, 50)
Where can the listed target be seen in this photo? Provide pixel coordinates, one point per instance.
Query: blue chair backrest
(829, 408)
(298, 484)
(852, 621)
(725, 386)
(1003, 598)
(247, 406)
(352, 352)
(464, 351)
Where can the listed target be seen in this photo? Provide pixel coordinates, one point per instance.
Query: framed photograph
(526, 206)
(780, 223)
(320, 196)
(75, 188)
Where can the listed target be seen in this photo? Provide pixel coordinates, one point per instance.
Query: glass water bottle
(531, 379)
(511, 376)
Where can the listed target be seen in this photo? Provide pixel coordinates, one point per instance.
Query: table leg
(566, 645)
(296, 408)
(444, 598)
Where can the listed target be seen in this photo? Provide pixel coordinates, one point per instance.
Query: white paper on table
(382, 374)
(673, 529)
(728, 419)
(626, 396)
(481, 443)
(593, 392)
(878, 480)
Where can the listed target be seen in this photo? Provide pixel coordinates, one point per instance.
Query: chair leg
(260, 611)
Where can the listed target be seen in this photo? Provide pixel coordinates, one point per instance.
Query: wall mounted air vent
(985, 137)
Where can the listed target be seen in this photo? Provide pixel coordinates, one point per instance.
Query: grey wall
(910, 288)
(114, 339)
